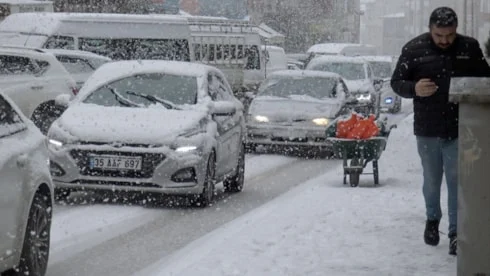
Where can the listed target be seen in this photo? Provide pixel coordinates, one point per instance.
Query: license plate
(114, 162)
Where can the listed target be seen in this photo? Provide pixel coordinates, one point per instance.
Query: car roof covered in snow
(113, 71)
(328, 59)
(378, 58)
(47, 23)
(75, 53)
(303, 73)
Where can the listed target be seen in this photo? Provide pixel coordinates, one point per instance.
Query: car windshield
(319, 88)
(381, 69)
(147, 89)
(75, 65)
(348, 70)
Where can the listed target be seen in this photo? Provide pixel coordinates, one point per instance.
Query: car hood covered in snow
(93, 123)
(359, 86)
(295, 108)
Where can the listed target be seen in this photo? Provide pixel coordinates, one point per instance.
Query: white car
(80, 64)
(151, 126)
(33, 78)
(293, 108)
(383, 67)
(356, 72)
(26, 194)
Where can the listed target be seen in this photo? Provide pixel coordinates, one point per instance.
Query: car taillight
(74, 90)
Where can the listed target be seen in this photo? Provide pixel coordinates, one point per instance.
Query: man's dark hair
(443, 17)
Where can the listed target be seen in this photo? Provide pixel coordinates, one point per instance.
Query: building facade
(308, 22)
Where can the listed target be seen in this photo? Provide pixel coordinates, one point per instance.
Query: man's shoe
(453, 244)
(431, 233)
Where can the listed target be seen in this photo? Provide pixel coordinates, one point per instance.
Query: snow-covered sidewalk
(325, 228)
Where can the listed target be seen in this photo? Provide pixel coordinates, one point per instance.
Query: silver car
(26, 194)
(293, 108)
(152, 126)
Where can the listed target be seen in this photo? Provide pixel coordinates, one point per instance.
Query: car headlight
(186, 149)
(320, 121)
(363, 97)
(55, 144)
(389, 100)
(261, 119)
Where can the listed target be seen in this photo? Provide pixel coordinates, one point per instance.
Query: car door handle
(22, 160)
(39, 87)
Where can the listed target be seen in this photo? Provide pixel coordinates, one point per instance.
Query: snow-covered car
(383, 67)
(293, 108)
(356, 72)
(80, 64)
(151, 126)
(33, 78)
(26, 194)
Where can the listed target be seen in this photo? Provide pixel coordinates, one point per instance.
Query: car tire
(234, 184)
(205, 199)
(35, 249)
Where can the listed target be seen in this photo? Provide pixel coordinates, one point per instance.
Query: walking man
(423, 73)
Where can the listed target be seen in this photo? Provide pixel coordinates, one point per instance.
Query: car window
(223, 90)
(16, 65)
(75, 65)
(319, 88)
(60, 42)
(134, 48)
(176, 89)
(381, 69)
(8, 118)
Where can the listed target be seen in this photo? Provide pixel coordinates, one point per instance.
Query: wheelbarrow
(356, 154)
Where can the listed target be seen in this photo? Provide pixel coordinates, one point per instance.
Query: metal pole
(473, 95)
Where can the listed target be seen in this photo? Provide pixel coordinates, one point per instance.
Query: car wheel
(35, 250)
(206, 197)
(234, 183)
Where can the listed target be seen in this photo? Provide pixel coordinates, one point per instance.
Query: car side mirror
(63, 100)
(378, 84)
(223, 108)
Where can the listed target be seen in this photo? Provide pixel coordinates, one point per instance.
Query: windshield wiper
(167, 104)
(121, 99)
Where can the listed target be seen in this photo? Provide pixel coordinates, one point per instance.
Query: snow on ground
(77, 228)
(325, 228)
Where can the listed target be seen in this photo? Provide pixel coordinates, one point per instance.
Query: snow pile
(325, 228)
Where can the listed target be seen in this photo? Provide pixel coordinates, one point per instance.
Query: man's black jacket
(435, 116)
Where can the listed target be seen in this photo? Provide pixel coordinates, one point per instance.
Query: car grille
(149, 162)
(115, 183)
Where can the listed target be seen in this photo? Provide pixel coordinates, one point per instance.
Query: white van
(229, 45)
(117, 36)
(8, 7)
(276, 59)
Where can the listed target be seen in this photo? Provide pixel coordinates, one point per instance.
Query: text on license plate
(110, 162)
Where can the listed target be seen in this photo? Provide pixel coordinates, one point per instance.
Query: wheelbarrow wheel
(354, 176)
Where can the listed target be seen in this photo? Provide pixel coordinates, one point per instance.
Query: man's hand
(425, 88)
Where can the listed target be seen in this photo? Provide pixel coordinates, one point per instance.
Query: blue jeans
(440, 156)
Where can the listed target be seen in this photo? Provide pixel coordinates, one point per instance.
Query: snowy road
(106, 238)
(122, 238)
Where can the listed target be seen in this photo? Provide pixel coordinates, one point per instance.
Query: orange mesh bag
(372, 129)
(357, 132)
(345, 126)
